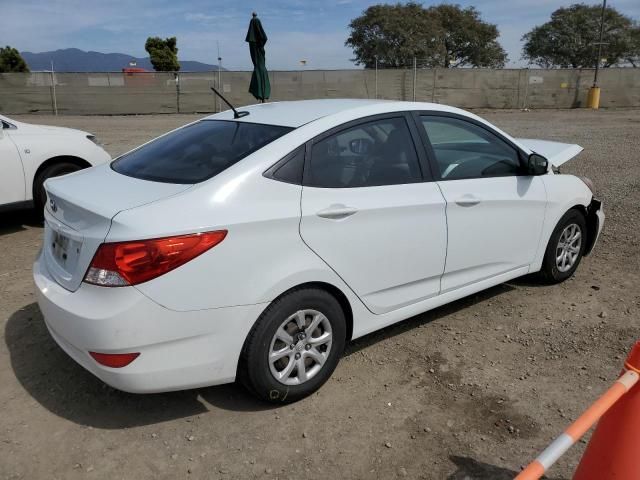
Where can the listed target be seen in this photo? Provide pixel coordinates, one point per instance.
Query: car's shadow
(63, 387)
(15, 221)
(66, 389)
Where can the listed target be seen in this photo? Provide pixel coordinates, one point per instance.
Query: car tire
(565, 248)
(314, 349)
(55, 170)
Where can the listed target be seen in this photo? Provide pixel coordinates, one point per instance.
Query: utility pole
(376, 77)
(593, 99)
(415, 77)
(595, 76)
(219, 105)
(53, 90)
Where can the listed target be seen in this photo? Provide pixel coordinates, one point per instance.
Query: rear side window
(197, 152)
(380, 152)
(289, 169)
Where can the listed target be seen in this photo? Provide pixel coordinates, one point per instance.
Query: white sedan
(254, 248)
(30, 154)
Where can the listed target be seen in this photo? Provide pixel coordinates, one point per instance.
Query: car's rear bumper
(178, 350)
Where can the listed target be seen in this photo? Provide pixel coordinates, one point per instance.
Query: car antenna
(236, 114)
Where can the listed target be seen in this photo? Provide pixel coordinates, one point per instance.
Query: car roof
(297, 113)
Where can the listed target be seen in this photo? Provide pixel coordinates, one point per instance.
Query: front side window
(464, 150)
(197, 152)
(380, 152)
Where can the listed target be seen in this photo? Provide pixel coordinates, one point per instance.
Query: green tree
(632, 56)
(163, 53)
(570, 38)
(12, 61)
(466, 39)
(440, 36)
(393, 33)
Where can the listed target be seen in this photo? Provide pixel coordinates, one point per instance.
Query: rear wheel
(55, 170)
(566, 247)
(294, 346)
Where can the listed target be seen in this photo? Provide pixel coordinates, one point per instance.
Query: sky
(313, 30)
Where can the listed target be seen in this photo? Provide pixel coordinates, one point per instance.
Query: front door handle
(468, 201)
(337, 212)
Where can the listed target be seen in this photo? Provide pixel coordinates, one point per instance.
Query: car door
(495, 211)
(371, 215)
(12, 188)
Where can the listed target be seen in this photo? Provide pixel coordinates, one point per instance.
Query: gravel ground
(472, 390)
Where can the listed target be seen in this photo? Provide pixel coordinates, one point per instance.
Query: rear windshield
(197, 152)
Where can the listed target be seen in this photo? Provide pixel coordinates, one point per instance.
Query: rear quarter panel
(261, 257)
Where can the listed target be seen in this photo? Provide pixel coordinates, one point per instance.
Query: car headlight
(588, 183)
(94, 139)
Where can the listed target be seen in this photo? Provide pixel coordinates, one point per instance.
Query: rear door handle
(468, 201)
(337, 212)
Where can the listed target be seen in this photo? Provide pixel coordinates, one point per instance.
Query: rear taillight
(129, 263)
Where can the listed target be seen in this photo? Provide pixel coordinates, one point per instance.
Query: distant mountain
(76, 60)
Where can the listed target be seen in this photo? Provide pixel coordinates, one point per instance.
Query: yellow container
(593, 99)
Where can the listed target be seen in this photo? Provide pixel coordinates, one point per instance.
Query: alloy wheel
(300, 347)
(568, 248)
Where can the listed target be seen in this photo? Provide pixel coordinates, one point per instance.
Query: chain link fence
(117, 93)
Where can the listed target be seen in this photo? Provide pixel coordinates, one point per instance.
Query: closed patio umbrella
(256, 37)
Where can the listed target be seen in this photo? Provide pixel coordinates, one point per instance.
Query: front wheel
(566, 248)
(294, 347)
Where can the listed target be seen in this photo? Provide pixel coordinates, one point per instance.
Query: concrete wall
(118, 93)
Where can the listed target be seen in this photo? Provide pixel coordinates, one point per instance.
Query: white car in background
(255, 246)
(30, 154)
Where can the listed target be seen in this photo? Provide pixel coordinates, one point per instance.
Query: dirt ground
(472, 390)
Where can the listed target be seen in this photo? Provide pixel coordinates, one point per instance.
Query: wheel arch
(331, 289)
(592, 221)
(80, 162)
(579, 208)
(550, 225)
(334, 291)
(585, 213)
(593, 224)
(340, 297)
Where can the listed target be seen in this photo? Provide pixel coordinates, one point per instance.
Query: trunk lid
(557, 153)
(78, 216)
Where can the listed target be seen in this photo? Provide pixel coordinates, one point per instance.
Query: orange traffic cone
(612, 452)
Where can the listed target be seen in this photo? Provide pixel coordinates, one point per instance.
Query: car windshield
(6, 122)
(197, 152)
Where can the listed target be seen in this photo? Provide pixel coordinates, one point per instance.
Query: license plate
(60, 246)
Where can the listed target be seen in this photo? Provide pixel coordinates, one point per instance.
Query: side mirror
(360, 146)
(537, 164)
